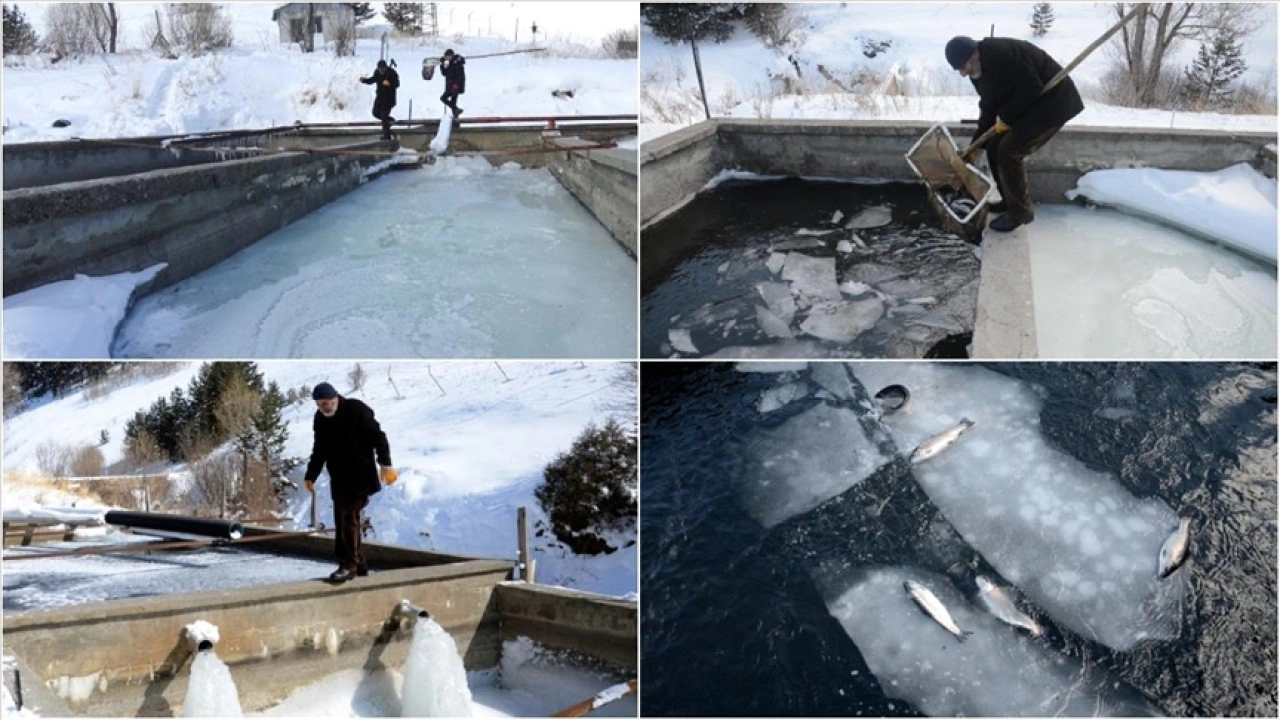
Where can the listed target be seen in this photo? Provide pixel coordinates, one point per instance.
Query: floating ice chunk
(775, 262)
(970, 480)
(844, 246)
(872, 217)
(928, 300)
(854, 288)
(776, 397)
(940, 320)
(772, 325)
(800, 244)
(856, 239)
(770, 367)
(1115, 413)
(779, 299)
(780, 349)
(806, 460)
(682, 340)
(834, 378)
(842, 322)
(723, 267)
(837, 217)
(907, 310)
(814, 233)
(815, 277)
(997, 671)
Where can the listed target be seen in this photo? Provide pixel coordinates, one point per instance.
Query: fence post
(522, 531)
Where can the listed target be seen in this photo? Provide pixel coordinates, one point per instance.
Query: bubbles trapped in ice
(844, 292)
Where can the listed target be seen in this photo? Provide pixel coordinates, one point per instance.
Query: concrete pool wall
(112, 206)
(128, 657)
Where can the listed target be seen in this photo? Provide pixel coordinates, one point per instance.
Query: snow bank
(1235, 206)
(72, 318)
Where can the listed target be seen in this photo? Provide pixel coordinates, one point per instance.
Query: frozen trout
(1174, 551)
(939, 442)
(999, 603)
(934, 608)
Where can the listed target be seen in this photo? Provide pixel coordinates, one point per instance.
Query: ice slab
(459, 259)
(872, 217)
(1235, 205)
(842, 322)
(70, 319)
(807, 459)
(440, 142)
(996, 672)
(1073, 540)
(1111, 286)
(815, 277)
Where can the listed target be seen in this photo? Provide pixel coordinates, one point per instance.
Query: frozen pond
(459, 259)
(76, 580)
(1109, 285)
(803, 268)
(527, 684)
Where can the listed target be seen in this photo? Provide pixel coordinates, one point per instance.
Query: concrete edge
(565, 592)
(672, 143)
(1004, 327)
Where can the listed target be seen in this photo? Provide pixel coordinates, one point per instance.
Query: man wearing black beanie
(347, 441)
(1009, 76)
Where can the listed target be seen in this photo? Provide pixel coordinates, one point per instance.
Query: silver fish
(934, 608)
(999, 604)
(939, 442)
(1174, 551)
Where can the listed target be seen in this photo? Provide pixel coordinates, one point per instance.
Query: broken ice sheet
(842, 322)
(813, 233)
(775, 262)
(801, 244)
(815, 277)
(777, 296)
(682, 340)
(772, 325)
(776, 397)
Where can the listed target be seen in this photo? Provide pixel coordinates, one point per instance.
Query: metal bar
(604, 697)
(149, 547)
(522, 538)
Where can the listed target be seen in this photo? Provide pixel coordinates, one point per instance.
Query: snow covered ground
(259, 82)
(443, 421)
(908, 80)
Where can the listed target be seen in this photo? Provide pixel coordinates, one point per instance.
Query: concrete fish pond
(766, 267)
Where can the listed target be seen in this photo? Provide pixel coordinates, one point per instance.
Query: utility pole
(432, 28)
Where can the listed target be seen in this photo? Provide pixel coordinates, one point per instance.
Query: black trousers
(347, 536)
(1005, 154)
(382, 111)
(450, 98)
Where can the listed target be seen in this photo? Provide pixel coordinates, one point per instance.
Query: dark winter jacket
(455, 76)
(386, 93)
(348, 444)
(1013, 74)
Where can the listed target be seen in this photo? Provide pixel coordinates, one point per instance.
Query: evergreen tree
(364, 12)
(591, 488)
(1041, 18)
(270, 433)
(1218, 63)
(206, 391)
(688, 22)
(58, 378)
(19, 37)
(405, 17)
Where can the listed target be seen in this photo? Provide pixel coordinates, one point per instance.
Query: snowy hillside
(908, 77)
(259, 82)
(469, 445)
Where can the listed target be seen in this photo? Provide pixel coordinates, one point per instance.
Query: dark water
(702, 265)
(734, 623)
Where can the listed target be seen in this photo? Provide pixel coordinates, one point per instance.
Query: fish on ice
(1174, 551)
(939, 442)
(998, 603)
(934, 608)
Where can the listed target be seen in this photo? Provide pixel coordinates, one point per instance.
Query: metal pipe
(149, 547)
(203, 527)
(406, 614)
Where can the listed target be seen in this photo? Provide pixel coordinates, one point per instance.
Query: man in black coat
(1009, 76)
(453, 67)
(347, 441)
(387, 80)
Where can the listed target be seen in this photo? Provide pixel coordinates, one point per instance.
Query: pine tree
(405, 17)
(1217, 65)
(1041, 18)
(19, 37)
(691, 22)
(270, 433)
(364, 12)
(591, 488)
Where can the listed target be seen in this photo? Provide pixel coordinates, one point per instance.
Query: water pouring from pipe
(435, 681)
(211, 691)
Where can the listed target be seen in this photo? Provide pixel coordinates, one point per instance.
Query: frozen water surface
(76, 580)
(457, 259)
(1107, 285)
(1073, 540)
(997, 671)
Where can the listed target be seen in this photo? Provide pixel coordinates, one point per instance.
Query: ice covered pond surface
(1062, 493)
(76, 580)
(456, 259)
(804, 268)
(1109, 285)
(528, 683)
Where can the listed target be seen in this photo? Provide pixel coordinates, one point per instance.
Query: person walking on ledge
(453, 67)
(347, 440)
(1009, 75)
(386, 80)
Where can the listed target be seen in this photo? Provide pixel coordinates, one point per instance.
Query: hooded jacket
(347, 444)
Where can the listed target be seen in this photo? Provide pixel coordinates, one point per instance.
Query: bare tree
(198, 27)
(13, 397)
(70, 29)
(105, 25)
(214, 479)
(357, 378)
(1147, 41)
(53, 459)
(235, 412)
(344, 38)
(87, 461)
(158, 39)
(309, 37)
(143, 452)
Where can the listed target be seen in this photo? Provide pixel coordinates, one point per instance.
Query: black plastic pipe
(177, 523)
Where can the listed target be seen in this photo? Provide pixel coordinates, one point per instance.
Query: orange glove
(389, 475)
(311, 485)
(1001, 128)
(971, 155)
(386, 83)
